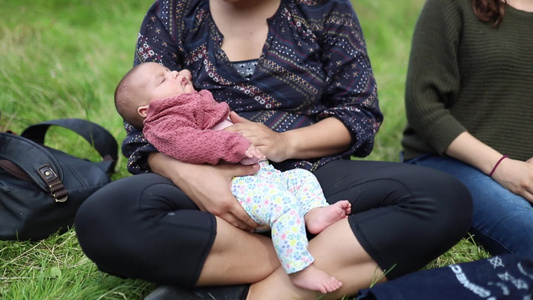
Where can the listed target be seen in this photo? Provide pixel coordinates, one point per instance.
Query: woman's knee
(133, 219)
(116, 202)
(453, 202)
(107, 213)
(436, 198)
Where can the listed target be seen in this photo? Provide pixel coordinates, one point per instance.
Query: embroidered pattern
(313, 66)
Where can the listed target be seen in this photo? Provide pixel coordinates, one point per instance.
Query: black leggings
(403, 215)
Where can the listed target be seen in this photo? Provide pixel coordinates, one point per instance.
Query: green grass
(388, 28)
(63, 58)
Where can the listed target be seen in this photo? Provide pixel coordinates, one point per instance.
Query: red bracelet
(496, 165)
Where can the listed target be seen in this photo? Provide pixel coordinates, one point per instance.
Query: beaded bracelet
(496, 165)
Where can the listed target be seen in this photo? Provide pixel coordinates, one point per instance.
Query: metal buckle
(55, 186)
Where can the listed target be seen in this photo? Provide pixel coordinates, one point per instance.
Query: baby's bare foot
(318, 219)
(313, 278)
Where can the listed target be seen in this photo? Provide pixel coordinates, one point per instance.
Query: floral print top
(314, 65)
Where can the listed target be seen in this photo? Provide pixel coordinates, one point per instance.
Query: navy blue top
(313, 65)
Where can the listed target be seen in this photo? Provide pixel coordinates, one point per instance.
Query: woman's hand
(516, 176)
(326, 137)
(271, 143)
(208, 186)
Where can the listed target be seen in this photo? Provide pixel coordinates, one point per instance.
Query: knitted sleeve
(193, 145)
(433, 74)
(177, 131)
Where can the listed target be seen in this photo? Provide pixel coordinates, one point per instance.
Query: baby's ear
(143, 110)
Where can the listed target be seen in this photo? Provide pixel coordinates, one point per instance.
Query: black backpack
(42, 188)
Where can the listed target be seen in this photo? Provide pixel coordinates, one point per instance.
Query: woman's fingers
(240, 219)
(235, 118)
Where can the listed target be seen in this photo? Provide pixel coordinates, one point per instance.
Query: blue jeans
(502, 221)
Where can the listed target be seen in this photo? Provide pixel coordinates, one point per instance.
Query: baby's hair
(124, 100)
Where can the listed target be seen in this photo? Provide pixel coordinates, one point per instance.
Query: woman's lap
(144, 227)
(502, 221)
(404, 217)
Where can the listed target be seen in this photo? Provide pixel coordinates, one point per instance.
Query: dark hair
(490, 10)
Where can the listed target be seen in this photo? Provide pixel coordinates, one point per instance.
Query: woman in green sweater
(469, 104)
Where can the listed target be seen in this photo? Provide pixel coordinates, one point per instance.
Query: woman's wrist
(290, 144)
(165, 166)
(497, 164)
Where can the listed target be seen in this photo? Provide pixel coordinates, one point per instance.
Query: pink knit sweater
(181, 127)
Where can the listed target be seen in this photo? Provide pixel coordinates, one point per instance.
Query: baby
(188, 125)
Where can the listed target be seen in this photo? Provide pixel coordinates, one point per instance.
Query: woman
(469, 103)
(298, 75)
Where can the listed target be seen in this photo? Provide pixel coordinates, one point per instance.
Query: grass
(63, 58)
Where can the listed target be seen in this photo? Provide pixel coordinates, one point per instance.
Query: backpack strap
(96, 135)
(42, 168)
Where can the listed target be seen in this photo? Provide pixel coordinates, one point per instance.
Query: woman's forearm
(327, 137)
(164, 166)
(472, 151)
(207, 186)
(514, 175)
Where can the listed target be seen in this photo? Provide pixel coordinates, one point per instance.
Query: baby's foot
(313, 278)
(318, 219)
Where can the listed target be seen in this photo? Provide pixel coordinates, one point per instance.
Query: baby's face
(160, 82)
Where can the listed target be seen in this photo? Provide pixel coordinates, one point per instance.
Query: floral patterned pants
(280, 200)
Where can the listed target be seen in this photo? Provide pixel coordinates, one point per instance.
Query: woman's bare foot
(313, 278)
(319, 218)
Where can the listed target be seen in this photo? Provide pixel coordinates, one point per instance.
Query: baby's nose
(186, 73)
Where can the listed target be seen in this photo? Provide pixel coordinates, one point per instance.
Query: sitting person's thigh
(404, 216)
(501, 219)
(143, 226)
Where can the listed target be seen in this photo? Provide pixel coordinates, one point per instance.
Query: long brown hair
(490, 10)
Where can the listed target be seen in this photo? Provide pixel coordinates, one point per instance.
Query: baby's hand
(253, 156)
(254, 153)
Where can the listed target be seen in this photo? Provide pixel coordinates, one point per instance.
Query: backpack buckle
(55, 186)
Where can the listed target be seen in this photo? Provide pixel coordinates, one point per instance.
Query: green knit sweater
(465, 75)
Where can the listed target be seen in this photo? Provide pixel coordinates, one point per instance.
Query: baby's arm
(200, 146)
(178, 130)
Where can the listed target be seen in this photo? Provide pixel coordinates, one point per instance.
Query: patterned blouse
(313, 65)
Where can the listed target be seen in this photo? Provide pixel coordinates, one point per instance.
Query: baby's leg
(318, 213)
(317, 219)
(267, 200)
(306, 188)
(313, 278)
(290, 242)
